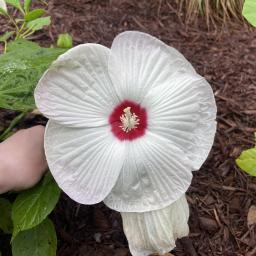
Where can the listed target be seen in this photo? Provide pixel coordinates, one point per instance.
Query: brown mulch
(220, 194)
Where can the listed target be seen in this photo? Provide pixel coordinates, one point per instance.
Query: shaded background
(220, 194)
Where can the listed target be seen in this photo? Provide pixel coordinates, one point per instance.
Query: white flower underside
(3, 5)
(156, 231)
(78, 94)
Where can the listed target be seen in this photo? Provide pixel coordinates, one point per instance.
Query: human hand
(22, 159)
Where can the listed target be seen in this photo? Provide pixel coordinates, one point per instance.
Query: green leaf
(5, 216)
(249, 11)
(38, 241)
(37, 13)
(16, 4)
(3, 8)
(6, 36)
(2, 11)
(32, 206)
(20, 70)
(22, 44)
(39, 23)
(247, 161)
(27, 5)
(65, 41)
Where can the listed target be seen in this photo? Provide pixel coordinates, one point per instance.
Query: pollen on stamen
(129, 120)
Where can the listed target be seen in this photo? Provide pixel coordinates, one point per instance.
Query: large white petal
(183, 110)
(76, 90)
(139, 62)
(84, 162)
(155, 174)
(156, 231)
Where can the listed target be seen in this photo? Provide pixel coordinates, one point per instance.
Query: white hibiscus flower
(127, 126)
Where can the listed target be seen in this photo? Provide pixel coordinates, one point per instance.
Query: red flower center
(128, 121)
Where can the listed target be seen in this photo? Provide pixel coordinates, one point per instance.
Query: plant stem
(14, 23)
(44, 2)
(21, 29)
(13, 123)
(28, 32)
(5, 46)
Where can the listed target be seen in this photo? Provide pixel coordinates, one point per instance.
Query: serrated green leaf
(247, 161)
(27, 5)
(16, 4)
(6, 36)
(5, 216)
(64, 41)
(32, 206)
(249, 11)
(38, 241)
(39, 23)
(20, 70)
(37, 13)
(22, 44)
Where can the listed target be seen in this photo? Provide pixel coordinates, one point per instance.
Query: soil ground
(220, 194)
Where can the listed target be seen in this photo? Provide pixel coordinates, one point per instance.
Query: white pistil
(129, 120)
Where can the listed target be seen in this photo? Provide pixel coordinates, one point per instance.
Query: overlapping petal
(85, 162)
(183, 110)
(78, 94)
(156, 231)
(76, 90)
(139, 62)
(155, 174)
